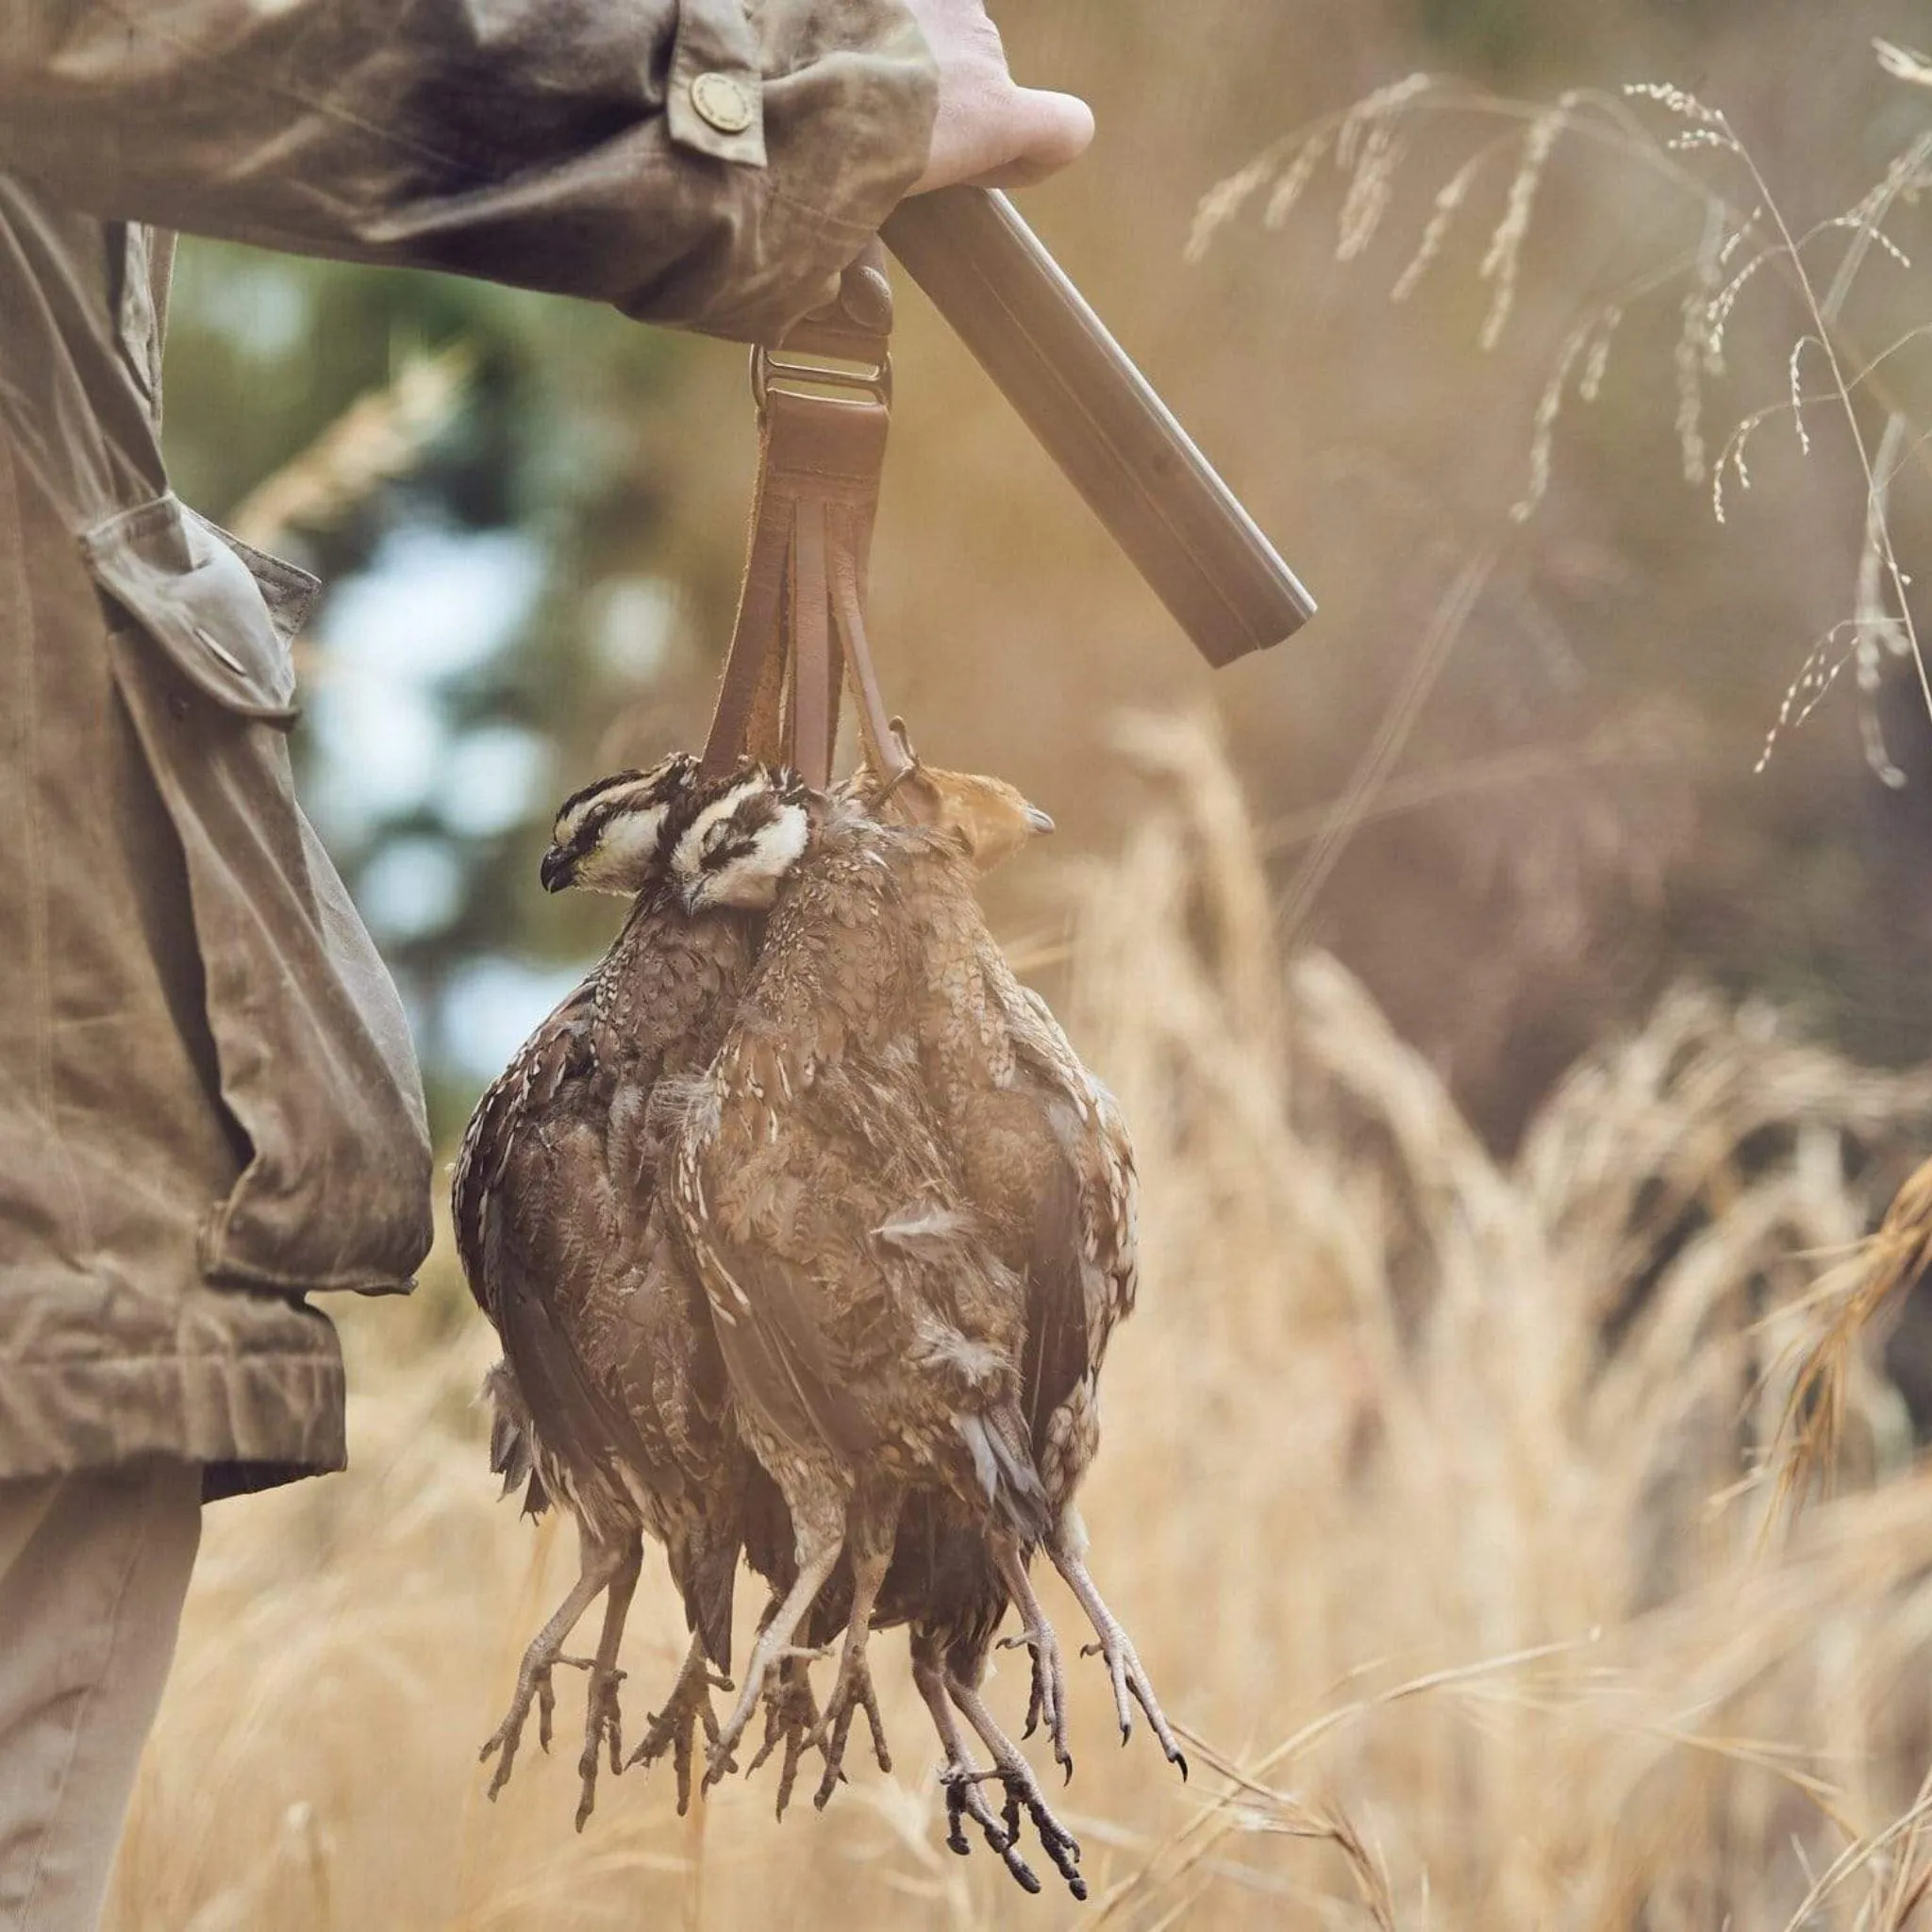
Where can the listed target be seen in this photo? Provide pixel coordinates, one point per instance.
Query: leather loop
(884, 749)
(814, 708)
(745, 722)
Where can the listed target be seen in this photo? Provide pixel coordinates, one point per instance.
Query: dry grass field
(1436, 1493)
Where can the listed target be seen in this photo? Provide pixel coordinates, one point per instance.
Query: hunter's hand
(990, 130)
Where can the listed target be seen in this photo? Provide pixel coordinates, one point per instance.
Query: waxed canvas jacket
(209, 1110)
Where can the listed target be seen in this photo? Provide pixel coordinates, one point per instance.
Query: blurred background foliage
(1570, 821)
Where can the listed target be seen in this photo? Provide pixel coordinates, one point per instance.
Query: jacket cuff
(836, 99)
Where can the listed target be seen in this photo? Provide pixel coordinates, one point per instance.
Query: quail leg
(1022, 1788)
(602, 1719)
(872, 1523)
(818, 1554)
(852, 1691)
(600, 1563)
(1046, 1702)
(791, 1719)
(674, 1728)
(1068, 1548)
(962, 1780)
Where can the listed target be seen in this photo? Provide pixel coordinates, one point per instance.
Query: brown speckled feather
(1043, 1158)
(859, 1313)
(565, 1245)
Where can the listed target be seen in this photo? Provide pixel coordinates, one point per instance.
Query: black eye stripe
(669, 785)
(737, 831)
(600, 820)
(748, 818)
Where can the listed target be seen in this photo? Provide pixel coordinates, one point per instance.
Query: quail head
(738, 844)
(609, 837)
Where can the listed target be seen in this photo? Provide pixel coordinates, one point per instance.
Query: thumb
(1049, 131)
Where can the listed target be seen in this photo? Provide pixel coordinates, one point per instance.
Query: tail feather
(512, 1447)
(710, 1573)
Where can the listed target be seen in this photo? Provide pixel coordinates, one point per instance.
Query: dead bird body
(874, 1339)
(1046, 1164)
(913, 1214)
(611, 1395)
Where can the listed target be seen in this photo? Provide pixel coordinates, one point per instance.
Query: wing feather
(773, 1347)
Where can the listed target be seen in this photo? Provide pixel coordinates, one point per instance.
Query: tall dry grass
(1434, 1492)
(1733, 237)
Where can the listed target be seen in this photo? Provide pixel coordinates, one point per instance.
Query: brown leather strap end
(820, 450)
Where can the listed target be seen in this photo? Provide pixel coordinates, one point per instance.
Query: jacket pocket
(315, 1065)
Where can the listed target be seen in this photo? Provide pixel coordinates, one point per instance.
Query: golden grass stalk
(1839, 1313)
(1744, 240)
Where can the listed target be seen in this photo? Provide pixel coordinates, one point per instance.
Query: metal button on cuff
(723, 102)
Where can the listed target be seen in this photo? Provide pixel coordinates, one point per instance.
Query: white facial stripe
(571, 823)
(690, 845)
(781, 844)
(751, 880)
(619, 796)
(624, 854)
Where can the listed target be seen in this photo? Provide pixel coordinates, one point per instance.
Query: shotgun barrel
(1100, 420)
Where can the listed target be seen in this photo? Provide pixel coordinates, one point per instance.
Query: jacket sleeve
(696, 162)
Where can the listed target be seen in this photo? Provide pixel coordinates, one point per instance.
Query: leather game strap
(822, 445)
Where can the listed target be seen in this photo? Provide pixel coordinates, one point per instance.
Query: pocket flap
(190, 590)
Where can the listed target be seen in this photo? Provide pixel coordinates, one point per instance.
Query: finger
(999, 134)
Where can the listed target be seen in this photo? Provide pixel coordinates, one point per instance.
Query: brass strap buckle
(874, 379)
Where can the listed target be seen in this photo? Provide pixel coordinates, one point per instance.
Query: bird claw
(965, 1800)
(1046, 1700)
(1058, 1843)
(673, 1728)
(719, 1760)
(791, 1718)
(533, 1684)
(852, 1693)
(602, 1723)
(1015, 1777)
(1130, 1682)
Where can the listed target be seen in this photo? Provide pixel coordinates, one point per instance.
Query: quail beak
(556, 870)
(1038, 821)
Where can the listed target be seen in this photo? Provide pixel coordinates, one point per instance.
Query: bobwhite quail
(612, 1393)
(943, 1578)
(871, 1339)
(1045, 1159)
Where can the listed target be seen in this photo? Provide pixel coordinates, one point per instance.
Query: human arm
(688, 162)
